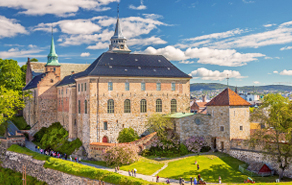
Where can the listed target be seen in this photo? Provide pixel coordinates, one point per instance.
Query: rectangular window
(110, 86)
(59, 102)
(127, 86)
(173, 86)
(240, 127)
(62, 101)
(66, 90)
(158, 86)
(79, 109)
(81, 87)
(59, 91)
(105, 125)
(143, 86)
(221, 128)
(85, 87)
(78, 87)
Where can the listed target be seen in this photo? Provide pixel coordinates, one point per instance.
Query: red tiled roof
(201, 104)
(228, 98)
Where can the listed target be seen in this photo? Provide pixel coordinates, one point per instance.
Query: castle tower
(53, 64)
(118, 41)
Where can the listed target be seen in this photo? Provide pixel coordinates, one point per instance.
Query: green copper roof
(52, 56)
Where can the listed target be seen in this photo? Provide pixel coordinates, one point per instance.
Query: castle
(120, 90)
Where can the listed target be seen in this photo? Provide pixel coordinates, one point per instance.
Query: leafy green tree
(275, 116)
(11, 75)
(159, 123)
(34, 60)
(23, 74)
(127, 135)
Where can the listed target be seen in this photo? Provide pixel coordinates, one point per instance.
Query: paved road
(31, 146)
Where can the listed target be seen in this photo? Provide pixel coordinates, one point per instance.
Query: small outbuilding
(260, 169)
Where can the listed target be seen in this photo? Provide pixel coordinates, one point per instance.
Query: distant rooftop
(180, 115)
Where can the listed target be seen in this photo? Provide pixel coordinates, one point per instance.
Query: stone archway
(105, 139)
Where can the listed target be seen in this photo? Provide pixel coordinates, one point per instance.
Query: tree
(11, 75)
(34, 60)
(275, 116)
(127, 135)
(160, 124)
(120, 154)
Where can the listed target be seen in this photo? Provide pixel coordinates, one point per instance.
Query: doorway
(105, 139)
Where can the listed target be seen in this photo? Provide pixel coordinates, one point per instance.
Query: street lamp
(191, 180)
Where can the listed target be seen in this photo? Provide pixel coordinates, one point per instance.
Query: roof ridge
(96, 63)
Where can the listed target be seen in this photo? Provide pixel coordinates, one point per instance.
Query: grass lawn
(211, 167)
(144, 166)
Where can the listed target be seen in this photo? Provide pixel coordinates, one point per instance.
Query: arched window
(110, 106)
(143, 106)
(127, 106)
(173, 105)
(85, 106)
(105, 125)
(158, 105)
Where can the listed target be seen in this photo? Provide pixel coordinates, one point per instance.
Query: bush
(20, 123)
(121, 154)
(56, 138)
(194, 143)
(127, 135)
(205, 149)
(145, 153)
(183, 149)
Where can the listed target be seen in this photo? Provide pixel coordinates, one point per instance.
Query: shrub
(121, 154)
(205, 149)
(19, 122)
(56, 137)
(183, 149)
(127, 135)
(194, 143)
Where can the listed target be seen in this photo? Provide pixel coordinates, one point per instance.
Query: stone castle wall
(250, 156)
(30, 110)
(239, 117)
(35, 168)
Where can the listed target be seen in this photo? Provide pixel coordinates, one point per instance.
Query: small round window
(198, 121)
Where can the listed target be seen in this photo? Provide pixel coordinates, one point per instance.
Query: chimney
(204, 98)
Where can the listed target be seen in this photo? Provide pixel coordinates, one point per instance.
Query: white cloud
(276, 72)
(99, 30)
(247, 1)
(141, 7)
(10, 27)
(286, 72)
(268, 25)
(206, 74)
(206, 55)
(268, 57)
(85, 54)
(256, 82)
(17, 53)
(286, 48)
(186, 62)
(99, 45)
(56, 7)
(231, 39)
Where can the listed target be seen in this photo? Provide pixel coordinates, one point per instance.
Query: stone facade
(219, 126)
(36, 169)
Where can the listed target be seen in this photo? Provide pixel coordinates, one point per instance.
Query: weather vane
(227, 80)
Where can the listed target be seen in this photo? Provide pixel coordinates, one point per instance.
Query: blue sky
(250, 40)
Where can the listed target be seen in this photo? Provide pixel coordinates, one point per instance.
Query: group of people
(52, 153)
(132, 172)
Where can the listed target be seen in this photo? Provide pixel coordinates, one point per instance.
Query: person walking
(167, 181)
(66, 157)
(195, 181)
(135, 171)
(198, 166)
(79, 159)
(36, 148)
(157, 178)
(129, 173)
(70, 158)
(180, 181)
(118, 169)
(220, 180)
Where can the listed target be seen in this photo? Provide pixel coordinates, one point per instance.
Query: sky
(250, 41)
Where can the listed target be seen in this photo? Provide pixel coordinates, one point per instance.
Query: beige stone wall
(31, 108)
(194, 125)
(118, 120)
(239, 116)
